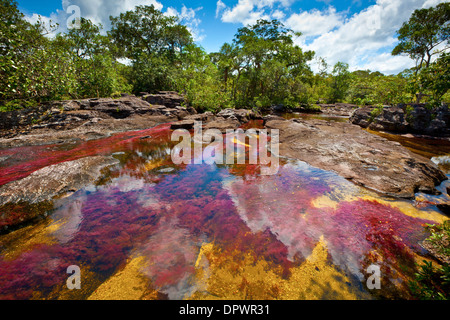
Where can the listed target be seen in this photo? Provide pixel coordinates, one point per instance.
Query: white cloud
(363, 40)
(220, 7)
(98, 11)
(315, 22)
(386, 63)
(366, 39)
(49, 23)
(249, 11)
(278, 14)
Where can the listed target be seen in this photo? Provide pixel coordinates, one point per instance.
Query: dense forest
(261, 67)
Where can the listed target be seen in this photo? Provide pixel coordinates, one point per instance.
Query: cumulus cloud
(366, 39)
(315, 22)
(249, 11)
(220, 7)
(99, 11)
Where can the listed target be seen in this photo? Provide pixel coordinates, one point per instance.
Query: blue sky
(358, 32)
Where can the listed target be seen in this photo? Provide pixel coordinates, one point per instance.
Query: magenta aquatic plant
(166, 216)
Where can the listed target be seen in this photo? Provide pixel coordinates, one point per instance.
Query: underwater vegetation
(206, 231)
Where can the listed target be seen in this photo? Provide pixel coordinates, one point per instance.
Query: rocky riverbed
(402, 119)
(366, 159)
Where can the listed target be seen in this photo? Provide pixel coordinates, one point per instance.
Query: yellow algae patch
(324, 202)
(90, 280)
(24, 239)
(239, 276)
(409, 210)
(153, 165)
(316, 279)
(127, 284)
(234, 276)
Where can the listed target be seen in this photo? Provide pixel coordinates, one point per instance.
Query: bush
(433, 283)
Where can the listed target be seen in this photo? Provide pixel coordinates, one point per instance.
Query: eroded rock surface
(415, 119)
(366, 159)
(63, 121)
(20, 199)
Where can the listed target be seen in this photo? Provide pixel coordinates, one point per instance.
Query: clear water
(149, 229)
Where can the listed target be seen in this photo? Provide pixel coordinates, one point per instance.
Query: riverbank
(366, 159)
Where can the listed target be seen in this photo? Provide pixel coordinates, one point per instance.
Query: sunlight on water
(149, 229)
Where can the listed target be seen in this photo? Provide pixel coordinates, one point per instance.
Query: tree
(436, 78)
(200, 80)
(340, 84)
(424, 32)
(147, 30)
(264, 66)
(31, 66)
(97, 72)
(154, 43)
(420, 38)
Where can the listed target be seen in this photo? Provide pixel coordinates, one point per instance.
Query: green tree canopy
(425, 30)
(146, 30)
(264, 66)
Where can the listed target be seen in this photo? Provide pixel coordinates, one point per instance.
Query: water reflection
(207, 231)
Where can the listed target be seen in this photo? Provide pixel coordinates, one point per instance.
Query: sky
(361, 33)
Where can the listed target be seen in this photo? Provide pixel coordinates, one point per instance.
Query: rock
(168, 99)
(185, 124)
(48, 183)
(223, 124)
(271, 117)
(203, 117)
(166, 170)
(402, 119)
(338, 109)
(448, 190)
(278, 108)
(51, 181)
(445, 208)
(240, 115)
(113, 115)
(366, 159)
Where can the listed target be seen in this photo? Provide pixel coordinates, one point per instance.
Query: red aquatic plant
(166, 217)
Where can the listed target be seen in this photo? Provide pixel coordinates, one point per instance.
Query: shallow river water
(149, 229)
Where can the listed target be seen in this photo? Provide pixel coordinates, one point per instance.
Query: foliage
(431, 283)
(36, 68)
(436, 78)
(262, 67)
(426, 34)
(425, 30)
(440, 237)
(371, 88)
(26, 61)
(377, 111)
(434, 283)
(154, 43)
(341, 79)
(97, 73)
(200, 81)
